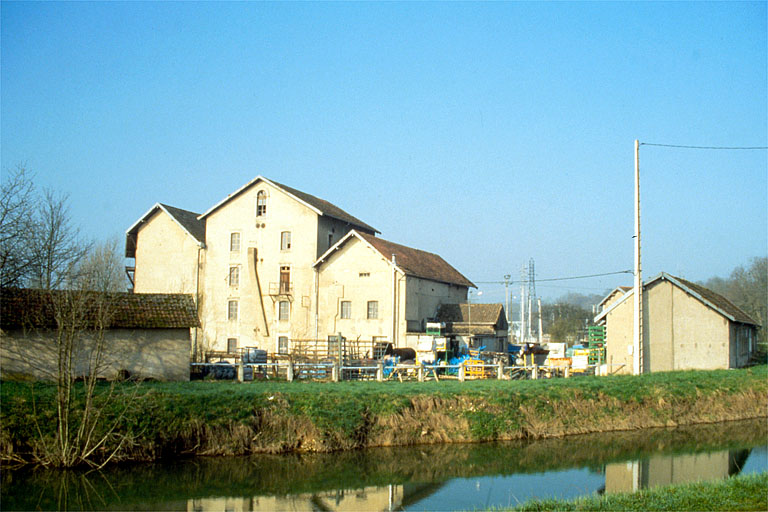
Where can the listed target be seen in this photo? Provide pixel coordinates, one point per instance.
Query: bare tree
(18, 204)
(57, 247)
(77, 282)
(83, 313)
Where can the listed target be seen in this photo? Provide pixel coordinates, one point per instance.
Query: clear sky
(489, 133)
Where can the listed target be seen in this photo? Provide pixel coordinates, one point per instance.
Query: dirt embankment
(229, 419)
(461, 419)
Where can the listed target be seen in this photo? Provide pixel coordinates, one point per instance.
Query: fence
(291, 370)
(340, 359)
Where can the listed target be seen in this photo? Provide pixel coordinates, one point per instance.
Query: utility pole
(541, 331)
(522, 305)
(637, 336)
(506, 308)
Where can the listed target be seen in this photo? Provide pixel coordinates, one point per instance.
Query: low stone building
(143, 336)
(478, 325)
(685, 326)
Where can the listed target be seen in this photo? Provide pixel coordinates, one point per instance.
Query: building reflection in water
(660, 470)
(382, 499)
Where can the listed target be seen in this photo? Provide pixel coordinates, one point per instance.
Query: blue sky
(489, 133)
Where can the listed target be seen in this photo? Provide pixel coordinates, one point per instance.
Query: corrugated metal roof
(38, 308)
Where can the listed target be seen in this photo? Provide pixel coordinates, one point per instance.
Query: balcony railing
(281, 288)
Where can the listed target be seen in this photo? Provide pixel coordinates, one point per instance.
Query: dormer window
(261, 203)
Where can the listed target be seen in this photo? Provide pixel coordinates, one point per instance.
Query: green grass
(744, 492)
(166, 415)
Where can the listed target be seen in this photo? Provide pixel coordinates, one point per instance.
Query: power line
(704, 147)
(559, 278)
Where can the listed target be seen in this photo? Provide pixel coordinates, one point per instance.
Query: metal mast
(531, 296)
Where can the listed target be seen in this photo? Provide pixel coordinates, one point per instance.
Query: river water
(443, 477)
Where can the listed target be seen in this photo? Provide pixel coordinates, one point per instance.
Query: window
(231, 345)
(330, 240)
(234, 276)
(346, 309)
(373, 309)
(232, 310)
(284, 311)
(234, 242)
(261, 203)
(364, 274)
(285, 241)
(285, 279)
(282, 345)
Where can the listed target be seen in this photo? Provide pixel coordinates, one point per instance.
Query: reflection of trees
(736, 461)
(283, 475)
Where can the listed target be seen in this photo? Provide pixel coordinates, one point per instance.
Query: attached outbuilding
(478, 325)
(144, 336)
(685, 326)
(373, 289)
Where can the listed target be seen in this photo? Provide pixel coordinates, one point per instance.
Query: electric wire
(705, 147)
(558, 278)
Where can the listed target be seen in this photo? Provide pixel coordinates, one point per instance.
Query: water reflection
(445, 477)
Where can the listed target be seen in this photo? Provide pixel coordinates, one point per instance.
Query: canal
(418, 478)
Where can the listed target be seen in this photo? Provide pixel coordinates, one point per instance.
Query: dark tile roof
(481, 313)
(190, 221)
(327, 208)
(418, 263)
(37, 308)
(719, 302)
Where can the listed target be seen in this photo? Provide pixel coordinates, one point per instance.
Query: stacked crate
(596, 344)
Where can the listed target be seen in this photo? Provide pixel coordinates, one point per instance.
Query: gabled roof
(409, 261)
(702, 294)
(619, 289)
(320, 206)
(476, 313)
(485, 319)
(186, 220)
(714, 300)
(27, 308)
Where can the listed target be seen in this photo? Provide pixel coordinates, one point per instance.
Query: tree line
(41, 248)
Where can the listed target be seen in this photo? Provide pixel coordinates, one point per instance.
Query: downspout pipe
(394, 300)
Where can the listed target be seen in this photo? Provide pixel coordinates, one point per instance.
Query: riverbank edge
(226, 419)
(741, 492)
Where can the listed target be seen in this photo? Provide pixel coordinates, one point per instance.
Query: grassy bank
(227, 418)
(747, 492)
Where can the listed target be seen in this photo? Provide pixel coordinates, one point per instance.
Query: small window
(330, 240)
(234, 276)
(284, 311)
(234, 242)
(231, 345)
(373, 309)
(261, 203)
(232, 310)
(282, 345)
(285, 241)
(364, 274)
(346, 309)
